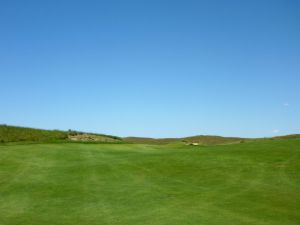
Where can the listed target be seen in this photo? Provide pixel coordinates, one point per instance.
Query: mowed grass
(128, 184)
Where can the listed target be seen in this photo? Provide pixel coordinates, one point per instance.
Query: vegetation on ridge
(19, 134)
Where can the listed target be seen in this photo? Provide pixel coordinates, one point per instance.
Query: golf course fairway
(254, 183)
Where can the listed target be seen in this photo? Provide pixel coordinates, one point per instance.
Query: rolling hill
(200, 139)
(204, 140)
(21, 134)
(54, 178)
(253, 183)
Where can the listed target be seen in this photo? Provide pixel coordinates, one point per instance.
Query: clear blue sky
(152, 68)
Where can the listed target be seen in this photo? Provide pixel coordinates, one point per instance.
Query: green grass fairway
(133, 184)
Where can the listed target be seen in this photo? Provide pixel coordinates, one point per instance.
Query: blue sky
(152, 68)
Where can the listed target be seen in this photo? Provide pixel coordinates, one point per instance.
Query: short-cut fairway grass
(128, 184)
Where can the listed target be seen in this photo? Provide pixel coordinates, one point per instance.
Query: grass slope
(205, 140)
(155, 141)
(24, 134)
(15, 134)
(201, 139)
(255, 183)
(214, 140)
(21, 134)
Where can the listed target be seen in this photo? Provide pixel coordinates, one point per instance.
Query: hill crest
(22, 134)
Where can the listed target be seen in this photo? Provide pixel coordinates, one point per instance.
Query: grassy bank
(23, 134)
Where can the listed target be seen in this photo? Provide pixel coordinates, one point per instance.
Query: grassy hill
(213, 140)
(77, 184)
(15, 134)
(145, 140)
(24, 134)
(201, 139)
(288, 137)
(205, 140)
(20, 134)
